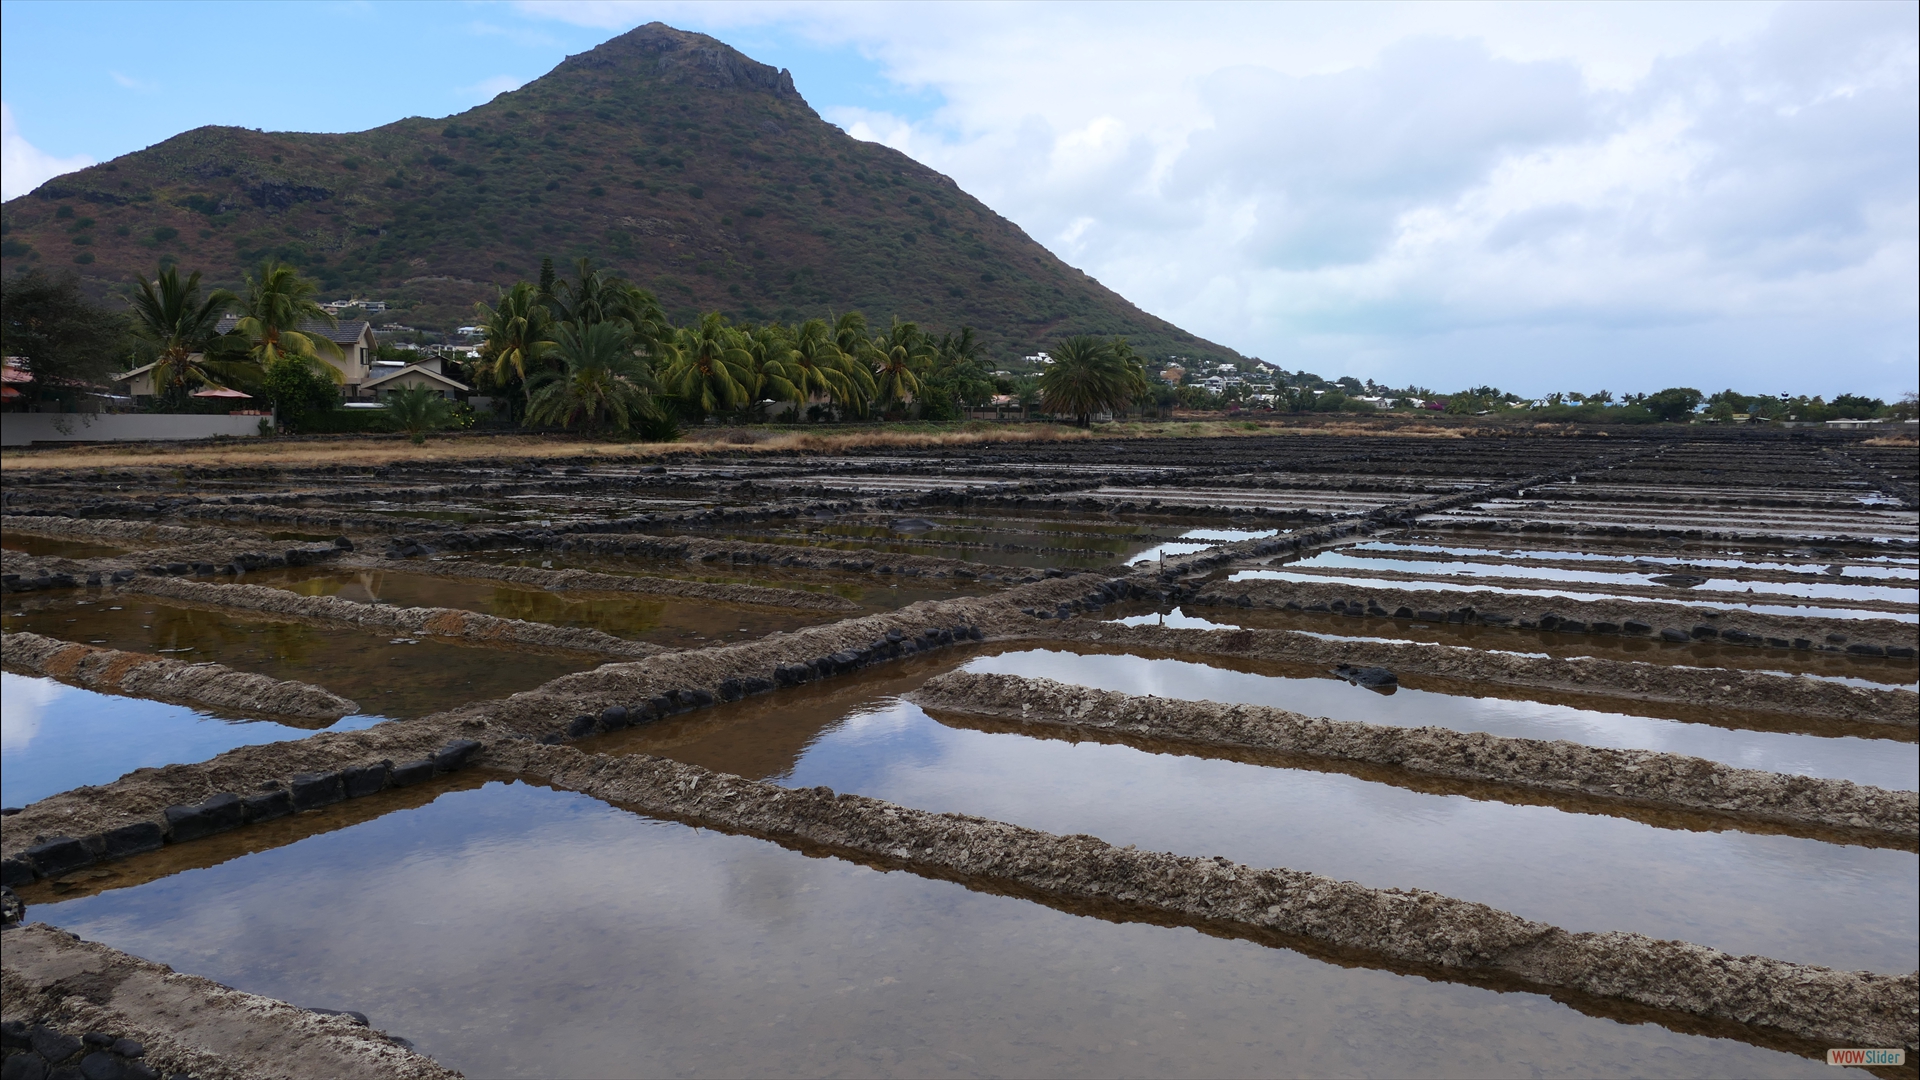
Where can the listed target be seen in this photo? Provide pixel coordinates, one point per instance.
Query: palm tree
(276, 304)
(595, 297)
(958, 348)
(1089, 376)
(171, 316)
(601, 381)
(824, 368)
(519, 335)
(707, 366)
(647, 318)
(1139, 388)
(418, 410)
(850, 334)
(899, 359)
(778, 375)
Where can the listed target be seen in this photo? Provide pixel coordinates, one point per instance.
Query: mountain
(684, 165)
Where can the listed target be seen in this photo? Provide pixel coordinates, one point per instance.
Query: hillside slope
(669, 156)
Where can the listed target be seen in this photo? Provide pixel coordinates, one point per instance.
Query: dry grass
(361, 450)
(1905, 438)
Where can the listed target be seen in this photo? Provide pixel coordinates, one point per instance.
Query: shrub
(301, 395)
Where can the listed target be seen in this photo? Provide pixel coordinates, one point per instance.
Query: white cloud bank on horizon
(24, 166)
(1542, 197)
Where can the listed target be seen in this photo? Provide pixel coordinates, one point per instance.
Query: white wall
(21, 429)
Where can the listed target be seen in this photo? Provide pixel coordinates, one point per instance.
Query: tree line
(592, 353)
(598, 353)
(269, 352)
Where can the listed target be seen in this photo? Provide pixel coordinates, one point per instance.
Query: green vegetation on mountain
(678, 163)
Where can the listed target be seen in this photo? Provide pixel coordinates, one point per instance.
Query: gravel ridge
(1437, 933)
(188, 1024)
(1640, 776)
(438, 622)
(1727, 687)
(145, 675)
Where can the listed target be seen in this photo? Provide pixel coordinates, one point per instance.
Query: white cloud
(132, 83)
(23, 166)
(487, 89)
(869, 125)
(1437, 192)
(23, 706)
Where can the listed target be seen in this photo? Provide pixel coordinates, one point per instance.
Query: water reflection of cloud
(1197, 540)
(1848, 758)
(23, 704)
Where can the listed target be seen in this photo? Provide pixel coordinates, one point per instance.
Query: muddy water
(517, 931)
(55, 737)
(1781, 896)
(387, 676)
(1864, 670)
(60, 549)
(1879, 762)
(664, 621)
(870, 592)
(1020, 542)
(1010, 554)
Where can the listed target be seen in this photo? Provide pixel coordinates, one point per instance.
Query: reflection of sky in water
(1830, 589)
(1878, 762)
(1781, 896)
(1175, 618)
(58, 737)
(518, 931)
(1198, 540)
(1901, 561)
(1448, 586)
(1844, 680)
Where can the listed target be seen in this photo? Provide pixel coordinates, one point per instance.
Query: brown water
(49, 547)
(387, 676)
(1788, 897)
(662, 620)
(874, 593)
(518, 931)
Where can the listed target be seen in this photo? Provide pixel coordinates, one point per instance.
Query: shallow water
(388, 676)
(1834, 588)
(50, 547)
(1855, 564)
(1879, 762)
(1196, 540)
(1863, 670)
(637, 617)
(874, 593)
(55, 737)
(1018, 551)
(518, 931)
(1781, 896)
(1718, 600)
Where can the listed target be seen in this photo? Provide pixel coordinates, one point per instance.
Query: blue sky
(142, 75)
(1543, 197)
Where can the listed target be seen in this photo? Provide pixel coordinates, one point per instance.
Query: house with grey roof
(353, 337)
